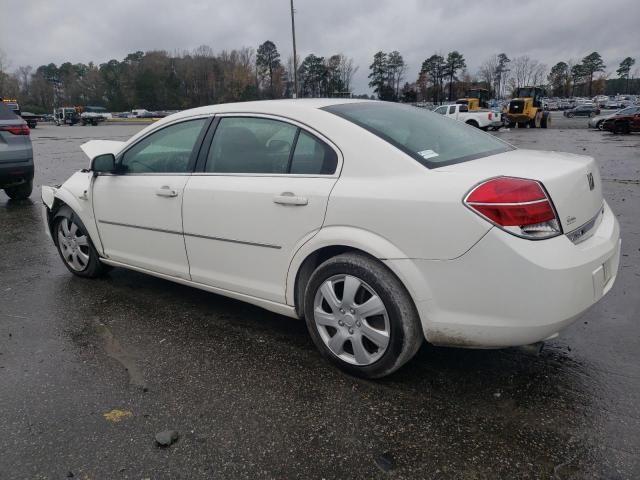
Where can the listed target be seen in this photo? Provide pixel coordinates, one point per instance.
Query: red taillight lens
(16, 129)
(490, 115)
(517, 205)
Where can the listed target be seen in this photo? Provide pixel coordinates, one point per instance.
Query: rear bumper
(507, 291)
(15, 173)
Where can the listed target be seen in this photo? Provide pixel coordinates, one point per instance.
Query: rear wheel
(20, 192)
(473, 123)
(360, 316)
(620, 127)
(599, 124)
(571, 115)
(522, 124)
(545, 121)
(74, 245)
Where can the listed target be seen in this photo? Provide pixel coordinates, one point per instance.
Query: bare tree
(346, 70)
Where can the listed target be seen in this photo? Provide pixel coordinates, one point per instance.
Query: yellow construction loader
(476, 99)
(525, 109)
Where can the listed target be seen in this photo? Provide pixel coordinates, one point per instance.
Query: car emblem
(592, 183)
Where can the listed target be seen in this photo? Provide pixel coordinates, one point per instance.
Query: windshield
(432, 140)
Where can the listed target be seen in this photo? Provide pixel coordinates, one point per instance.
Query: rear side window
(312, 157)
(253, 145)
(432, 140)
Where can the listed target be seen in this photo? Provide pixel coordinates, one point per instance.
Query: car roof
(276, 107)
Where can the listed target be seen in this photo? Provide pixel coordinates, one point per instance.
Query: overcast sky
(35, 32)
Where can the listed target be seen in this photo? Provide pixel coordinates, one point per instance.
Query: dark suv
(16, 155)
(582, 111)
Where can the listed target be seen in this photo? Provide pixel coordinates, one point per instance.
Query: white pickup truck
(483, 119)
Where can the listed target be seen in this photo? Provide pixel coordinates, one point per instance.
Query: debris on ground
(385, 461)
(116, 416)
(167, 437)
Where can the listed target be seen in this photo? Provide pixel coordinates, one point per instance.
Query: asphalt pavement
(92, 370)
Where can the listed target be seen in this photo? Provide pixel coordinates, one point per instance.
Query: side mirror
(105, 163)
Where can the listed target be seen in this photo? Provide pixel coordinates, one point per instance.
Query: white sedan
(379, 224)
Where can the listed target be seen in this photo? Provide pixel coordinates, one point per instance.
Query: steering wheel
(136, 164)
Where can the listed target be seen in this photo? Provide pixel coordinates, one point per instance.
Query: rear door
(260, 193)
(139, 211)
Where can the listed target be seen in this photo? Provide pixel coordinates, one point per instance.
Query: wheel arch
(333, 241)
(64, 198)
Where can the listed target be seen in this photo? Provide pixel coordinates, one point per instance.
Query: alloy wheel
(352, 320)
(73, 244)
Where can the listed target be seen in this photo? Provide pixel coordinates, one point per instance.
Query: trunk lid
(572, 181)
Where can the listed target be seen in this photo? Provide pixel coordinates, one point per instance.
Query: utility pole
(295, 58)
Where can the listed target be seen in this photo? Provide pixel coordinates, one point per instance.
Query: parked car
(16, 155)
(378, 223)
(624, 122)
(598, 121)
(483, 119)
(612, 104)
(582, 111)
(552, 106)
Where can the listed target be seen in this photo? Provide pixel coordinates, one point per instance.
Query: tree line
(158, 80)
(445, 78)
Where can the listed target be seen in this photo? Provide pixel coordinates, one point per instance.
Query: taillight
(517, 205)
(16, 129)
(490, 115)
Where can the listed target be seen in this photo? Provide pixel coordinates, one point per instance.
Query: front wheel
(599, 124)
(360, 316)
(545, 122)
(20, 192)
(74, 245)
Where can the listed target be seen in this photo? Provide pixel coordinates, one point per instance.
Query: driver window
(166, 151)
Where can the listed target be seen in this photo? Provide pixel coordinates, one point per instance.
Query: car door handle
(288, 198)
(166, 191)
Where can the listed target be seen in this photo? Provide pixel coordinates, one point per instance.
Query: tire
(473, 123)
(620, 127)
(522, 124)
(545, 122)
(384, 339)
(599, 124)
(75, 246)
(20, 192)
(571, 115)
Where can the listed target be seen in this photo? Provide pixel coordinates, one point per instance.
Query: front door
(262, 194)
(138, 211)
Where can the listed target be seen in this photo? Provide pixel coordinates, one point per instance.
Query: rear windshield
(431, 139)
